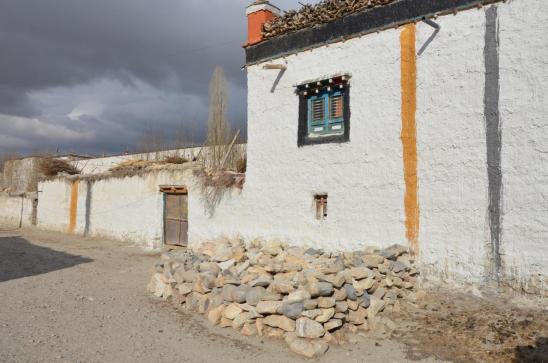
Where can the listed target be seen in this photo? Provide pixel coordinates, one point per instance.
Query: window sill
(323, 140)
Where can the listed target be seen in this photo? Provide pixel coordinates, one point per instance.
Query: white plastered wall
(451, 147)
(15, 210)
(129, 209)
(524, 118)
(54, 205)
(124, 208)
(363, 177)
(454, 232)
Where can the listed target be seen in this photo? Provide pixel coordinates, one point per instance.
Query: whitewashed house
(421, 122)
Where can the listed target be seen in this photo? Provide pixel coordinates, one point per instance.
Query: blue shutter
(317, 113)
(322, 118)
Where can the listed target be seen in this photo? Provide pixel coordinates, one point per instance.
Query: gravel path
(66, 298)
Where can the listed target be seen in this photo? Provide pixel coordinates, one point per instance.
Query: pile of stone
(309, 297)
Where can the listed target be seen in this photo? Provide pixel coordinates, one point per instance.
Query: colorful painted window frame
(324, 127)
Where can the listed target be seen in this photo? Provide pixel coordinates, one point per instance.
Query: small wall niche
(321, 206)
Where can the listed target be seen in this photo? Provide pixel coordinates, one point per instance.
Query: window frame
(320, 203)
(305, 124)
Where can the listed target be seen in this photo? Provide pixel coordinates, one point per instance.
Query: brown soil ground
(462, 327)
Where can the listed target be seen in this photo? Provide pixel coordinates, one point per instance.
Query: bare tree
(218, 129)
(152, 141)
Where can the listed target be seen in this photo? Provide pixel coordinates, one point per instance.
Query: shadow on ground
(533, 353)
(20, 258)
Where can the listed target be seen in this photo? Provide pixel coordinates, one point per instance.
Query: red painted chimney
(258, 13)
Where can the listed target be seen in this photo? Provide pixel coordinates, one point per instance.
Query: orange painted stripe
(409, 134)
(73, 206)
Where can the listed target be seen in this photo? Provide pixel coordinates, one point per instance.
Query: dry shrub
(220, 179)
(132, 166)
(7, 157)
(176, 160)
(241, 164)
(52, 167)
(214, 183)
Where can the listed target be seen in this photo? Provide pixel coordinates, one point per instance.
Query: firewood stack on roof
(311, 15)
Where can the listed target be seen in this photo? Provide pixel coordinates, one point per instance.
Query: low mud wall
(130, 207)
(17, 210)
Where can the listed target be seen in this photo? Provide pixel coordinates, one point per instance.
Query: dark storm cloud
(67, 42)
(14, 101)
(84, 70)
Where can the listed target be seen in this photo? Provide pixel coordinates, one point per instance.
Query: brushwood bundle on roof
(323, 12)
(51, 167)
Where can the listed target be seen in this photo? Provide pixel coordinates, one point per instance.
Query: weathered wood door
(176, 219)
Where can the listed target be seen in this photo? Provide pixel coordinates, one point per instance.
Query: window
(325, 114)
(324, 111)
(321, 206)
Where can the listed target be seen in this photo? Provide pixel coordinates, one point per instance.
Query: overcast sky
(94, 76)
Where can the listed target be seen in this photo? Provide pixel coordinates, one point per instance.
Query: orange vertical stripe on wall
(73, 206)
(409, 134)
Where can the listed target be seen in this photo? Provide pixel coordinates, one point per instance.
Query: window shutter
(335, 107)
(318, 110)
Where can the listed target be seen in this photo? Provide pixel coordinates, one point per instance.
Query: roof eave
(355, 25)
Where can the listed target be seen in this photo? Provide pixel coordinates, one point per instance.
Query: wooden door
(176, 219)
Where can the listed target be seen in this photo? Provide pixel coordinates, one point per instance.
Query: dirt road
(70, 299)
